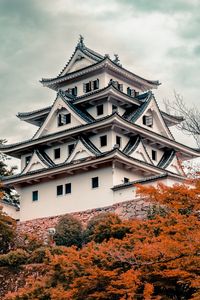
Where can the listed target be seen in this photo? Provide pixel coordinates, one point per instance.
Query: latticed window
(148, 120)
(91, 86)
(64, 119)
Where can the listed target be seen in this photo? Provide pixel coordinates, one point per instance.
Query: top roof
(95, 59)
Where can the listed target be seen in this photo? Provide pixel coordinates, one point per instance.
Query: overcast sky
(154, 39)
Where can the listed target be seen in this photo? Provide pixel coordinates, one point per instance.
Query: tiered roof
(41, 165)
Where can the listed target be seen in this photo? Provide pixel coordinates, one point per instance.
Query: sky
(158, 40)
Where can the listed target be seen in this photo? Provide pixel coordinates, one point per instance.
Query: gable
(150, 111)
(82, 149)
(77, 62)
(36, 163)
(60, 107)
(141, 153)
(137, 150)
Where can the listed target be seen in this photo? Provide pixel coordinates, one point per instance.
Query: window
(148, 121)
(96, 84)
(70, 148)
(154, 155)
(91, 86)
(95, 182)
(103, 140)
(117, 85)
(64, 119)
(126, 180)
(114, 108)
(118, 140)
(68, 188)
(56, 153)
(72, 91)
(27, 160)
(99, 109)
(35, 196)
(59, 190)
(131, 92)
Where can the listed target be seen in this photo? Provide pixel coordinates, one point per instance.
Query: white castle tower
(103, 133)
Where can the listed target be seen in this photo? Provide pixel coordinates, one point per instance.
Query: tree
(9, 194)
(158, 259)
(69, 232)
(7, 232)
(103, 227)
(191, 116)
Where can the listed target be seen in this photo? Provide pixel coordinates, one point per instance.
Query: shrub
(40, 255)
(69, 232)
(28, 242)
(14, 258)
(105, 226)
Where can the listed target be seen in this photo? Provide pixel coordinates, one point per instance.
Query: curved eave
(172, 120)
(114, 154)
(106, 63)
(129, 127)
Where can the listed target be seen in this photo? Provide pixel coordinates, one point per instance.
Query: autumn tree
(158, 259)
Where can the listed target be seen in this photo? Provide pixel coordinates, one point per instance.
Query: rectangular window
(56, 153)
(126, 179)
(154, 155)
(96, 84)
(27, 160)
(70, 148)
(118, 140)
(35, 196)
(99, 109)
(59, 190)
(95, 182)
(148, 121)
(88, 87)
(64, 119)
(103, 140)
(68, 188)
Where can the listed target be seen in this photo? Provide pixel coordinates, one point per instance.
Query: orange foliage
(157, 259)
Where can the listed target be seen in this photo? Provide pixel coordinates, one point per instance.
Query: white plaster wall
(93, 110)
(79, 83)
(83, 197)
(119, 174)
(63, 152)
(126, 194)
(96, 140)
(10, 211)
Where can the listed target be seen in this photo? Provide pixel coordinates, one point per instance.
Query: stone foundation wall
(134, 209)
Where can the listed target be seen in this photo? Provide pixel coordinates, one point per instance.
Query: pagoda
(103, 133)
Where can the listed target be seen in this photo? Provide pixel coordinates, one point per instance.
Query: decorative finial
(116, 60)
(80, 42)
(107, 55)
